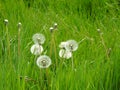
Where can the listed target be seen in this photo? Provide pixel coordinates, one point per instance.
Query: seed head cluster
(43, 61)
(66, 48)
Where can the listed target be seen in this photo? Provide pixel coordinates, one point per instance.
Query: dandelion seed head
(99, 31)
(43, 61)
(51, 29)
(65, 54)
(36, 49)
(19, 24)
(38, 38)
(71, 45)
(62, 45)
(55, 25)
(6, 21)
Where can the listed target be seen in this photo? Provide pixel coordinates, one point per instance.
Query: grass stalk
(104, 45)
(72, 63)
(7, 37)
(19, 29)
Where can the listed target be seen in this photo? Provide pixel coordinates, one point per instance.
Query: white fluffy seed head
(6, 21)
(55, 25)
(19, 24)
(71, 45)
(38, 38)
(65, 54)
(51, 29)
(43, 61)
(36, 49)
(62, 45)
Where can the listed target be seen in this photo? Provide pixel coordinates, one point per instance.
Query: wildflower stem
(47, 78)
(51, 44)
(82, 40)
(19, 29)
(106, 50)
(54, 46)
(103, 43)
(8, 42)
(41, 79)
(55, 50)
(50, 54)
(72, 63)
(19, 42)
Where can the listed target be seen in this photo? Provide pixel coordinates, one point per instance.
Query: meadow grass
(96, 62)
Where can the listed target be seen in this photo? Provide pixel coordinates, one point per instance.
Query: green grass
(76, 20)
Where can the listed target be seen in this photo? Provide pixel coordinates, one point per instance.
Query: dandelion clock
(43, 61)
(71, 45)
(65, 54)
(62, 45)
(36, 49)
(38, 38)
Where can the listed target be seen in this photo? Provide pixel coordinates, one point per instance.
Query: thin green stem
(55, 51)
(19, 42)
(8, 42)
(72, 63)
(82, 40)
(105, 47)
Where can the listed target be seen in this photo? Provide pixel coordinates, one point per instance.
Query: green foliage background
(76, 19)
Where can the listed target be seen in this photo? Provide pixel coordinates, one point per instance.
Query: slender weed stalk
(82, 40)
(53, 42)
(107, 51)
(52, 46)
(19, 29)
(7, 37)
(47, 79)
(72, 63)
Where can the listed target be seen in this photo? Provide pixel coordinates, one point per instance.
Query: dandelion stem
(72, 63)
(53, 44)
(8, 42)
(55, 50)
(106, 50)
(18, 43)
(103, 43)
(82, 40)
(19, 29)
(47, 78)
